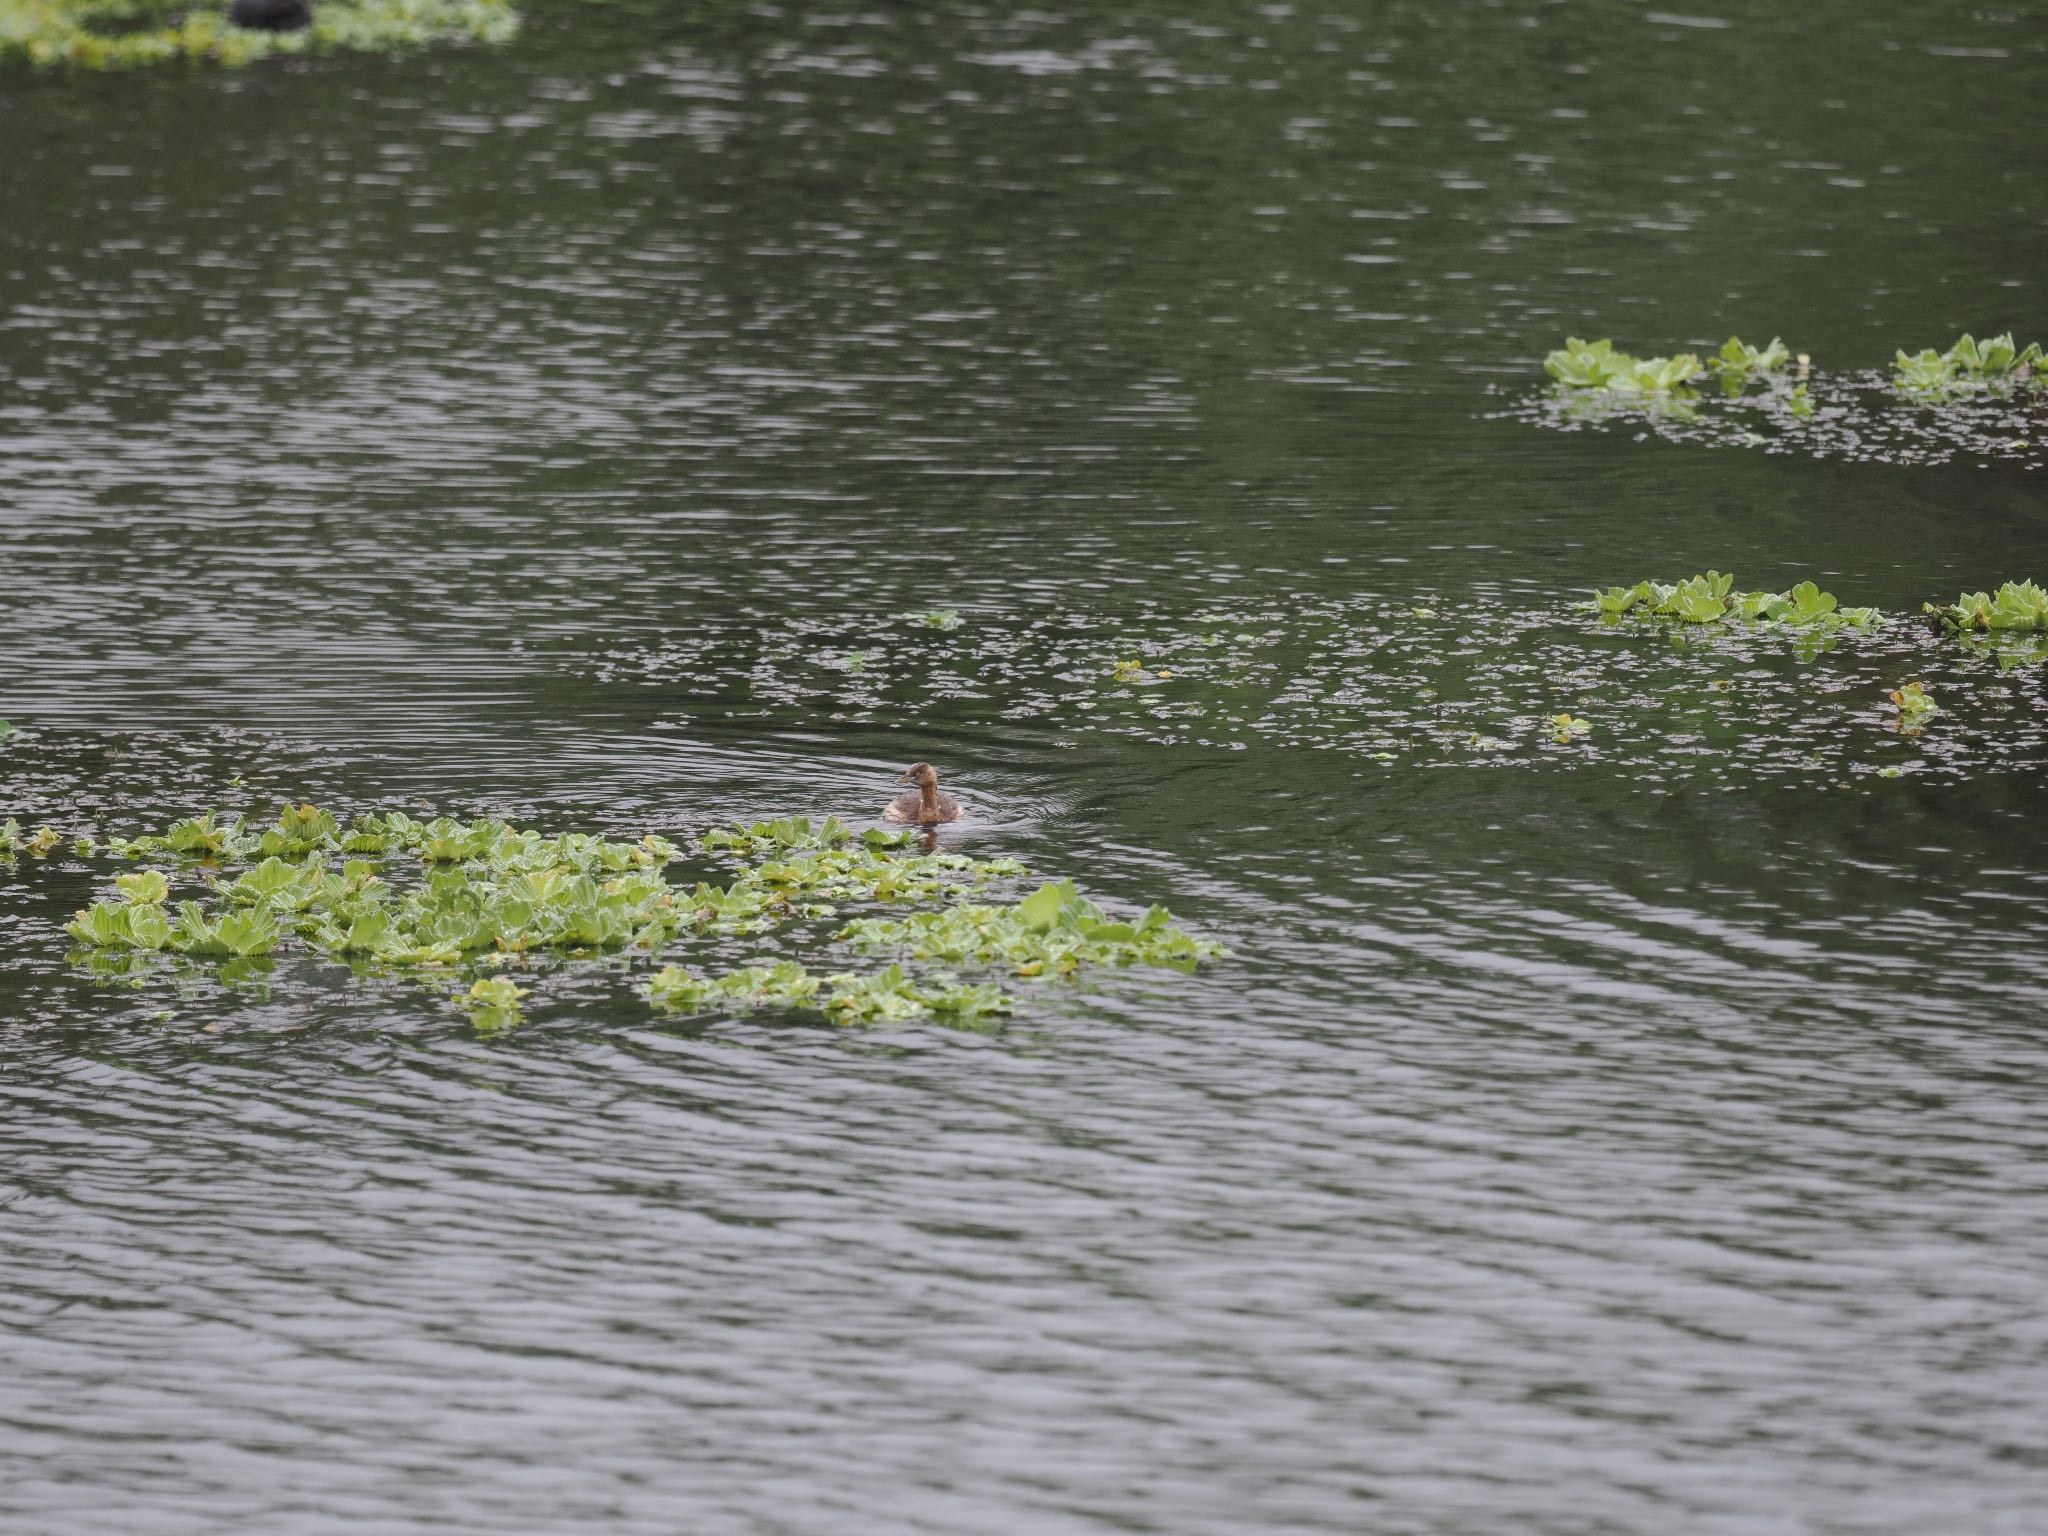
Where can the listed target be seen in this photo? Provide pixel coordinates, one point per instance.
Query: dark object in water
(923, 805)
(271, 15)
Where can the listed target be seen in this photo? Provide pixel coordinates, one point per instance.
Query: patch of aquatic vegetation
(1977, 402)
(1055, 931)
(1996, 364)
(126, 34)
(450, 902)
(1738, 364)
(1596, 367)
(1782, 687)
(2018, 606)
(1709, 599)
(887, 996)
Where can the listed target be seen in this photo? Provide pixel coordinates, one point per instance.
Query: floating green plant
(1711, 599)
(850, 997)
(785, 982)
(936, 618)
(1132, 670)
(37, 844)
(6, 730)
(1596, 365)
(890, 995)
(492, 1003)
(803, 871)
(147, 889)
(1568, 728)
(139, 924)
(2018, 606)
(1738, 364)
(121, 925)
(1999, 363)
(788, 834)
(126, 34)
(1052, 932)
(1914, 704)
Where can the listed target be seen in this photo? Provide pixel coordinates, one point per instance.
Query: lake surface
(1637, 1134)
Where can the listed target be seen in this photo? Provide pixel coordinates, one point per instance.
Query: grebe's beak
(903, 777)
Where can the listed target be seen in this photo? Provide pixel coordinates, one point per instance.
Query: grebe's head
(919, 774)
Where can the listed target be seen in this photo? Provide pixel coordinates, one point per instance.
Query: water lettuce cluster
(886, 996)
(443, 898)
(1054, 931)
(1710, 599)
(484, 887)
(1969, 365)
(1738, 364)
(2016, 607)
(798, 870)
(1597, 366)
(126, 34)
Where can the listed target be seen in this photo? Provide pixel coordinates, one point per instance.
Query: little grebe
(923, 805)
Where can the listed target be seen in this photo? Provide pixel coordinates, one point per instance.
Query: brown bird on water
(923, 805)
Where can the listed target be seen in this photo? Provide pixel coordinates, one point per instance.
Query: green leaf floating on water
(120, 925)
(1804, 604)
(149, 888)
(1914, 704)
(494, 992)
(232, 935)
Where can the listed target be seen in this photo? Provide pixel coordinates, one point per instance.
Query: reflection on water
(1621, 1135)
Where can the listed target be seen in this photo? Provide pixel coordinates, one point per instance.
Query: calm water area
(1638, 1134)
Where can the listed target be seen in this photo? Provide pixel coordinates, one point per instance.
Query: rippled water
(1634, 1134)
